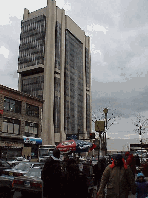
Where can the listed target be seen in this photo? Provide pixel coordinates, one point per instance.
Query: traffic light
(92, 135)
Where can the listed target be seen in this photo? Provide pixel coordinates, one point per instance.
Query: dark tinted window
(12, 105)
(32, 110)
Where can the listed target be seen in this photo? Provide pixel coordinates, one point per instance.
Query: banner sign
(32, 140)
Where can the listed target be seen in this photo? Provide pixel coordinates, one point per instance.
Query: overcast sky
(119, 51)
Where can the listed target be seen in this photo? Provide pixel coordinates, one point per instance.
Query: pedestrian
(137, 160)
(131, 162)
(142, 186)
(101, 167)
(51, 176)
(119, 179)
(76, 182)
(28, 156)
(64, 164)
(24, 157)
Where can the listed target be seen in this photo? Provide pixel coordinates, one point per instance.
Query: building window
(11, 126)
(31, 129)
(32, 110)
(12, 105)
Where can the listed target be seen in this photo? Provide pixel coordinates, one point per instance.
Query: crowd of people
(120, 179)
(65, 179)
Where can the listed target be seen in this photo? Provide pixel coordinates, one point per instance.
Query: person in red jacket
(131, 162)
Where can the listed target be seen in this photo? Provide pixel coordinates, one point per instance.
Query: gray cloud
(9, 38)
(119, 54)
(134, 14)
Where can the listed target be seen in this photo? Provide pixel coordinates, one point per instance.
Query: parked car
(5, 187)
(17, 161)
(30, 183)
(8, 175)
(4, 165)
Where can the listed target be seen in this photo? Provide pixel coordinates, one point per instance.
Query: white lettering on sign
(28, 141)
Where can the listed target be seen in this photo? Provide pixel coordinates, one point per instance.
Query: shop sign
(30, 140)
(10, 144)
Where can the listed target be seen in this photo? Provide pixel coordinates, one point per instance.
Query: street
(18, 195)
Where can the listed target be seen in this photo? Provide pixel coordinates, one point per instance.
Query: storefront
(11, 147)
(31, 146)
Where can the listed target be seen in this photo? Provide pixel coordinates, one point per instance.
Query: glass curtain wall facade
(33, 85)
(73, 103)
(32, 42)
(87, 74)
(57, 79)
(31, 53)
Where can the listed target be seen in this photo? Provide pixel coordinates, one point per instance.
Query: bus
(45, 151)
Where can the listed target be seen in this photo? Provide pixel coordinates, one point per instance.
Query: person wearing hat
(142, 186)
(119, 180)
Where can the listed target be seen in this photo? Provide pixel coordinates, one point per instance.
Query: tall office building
(54, 65)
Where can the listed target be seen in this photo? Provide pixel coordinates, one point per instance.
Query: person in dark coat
(142, 186)
(28, 157)
(101, 167)
(51, 176)
(76, 183)
(137, 160)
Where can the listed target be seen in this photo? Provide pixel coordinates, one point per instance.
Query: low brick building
(20, 120)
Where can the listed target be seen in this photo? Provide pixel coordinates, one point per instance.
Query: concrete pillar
(1, 108)
(48, 127)
(62, 133)
(20, 83)
(90, 85)
(84, 91)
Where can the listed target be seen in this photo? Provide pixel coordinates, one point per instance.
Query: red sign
(1, 111)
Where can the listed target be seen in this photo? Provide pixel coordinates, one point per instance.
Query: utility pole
(100, 127)
(141, 130)
(104, 134)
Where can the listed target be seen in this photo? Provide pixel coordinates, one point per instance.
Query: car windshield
(4, 163)
(22, 166)
(45, 152)
(34, 172)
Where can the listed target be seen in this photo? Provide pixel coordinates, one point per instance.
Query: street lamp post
(104, 134)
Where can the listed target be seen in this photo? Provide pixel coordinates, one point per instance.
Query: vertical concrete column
(40, 122)
(48, 127)
(20, 83)
(1, 108)
(23, 113)
(62, 134)
(84, 91)
(90, 85)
